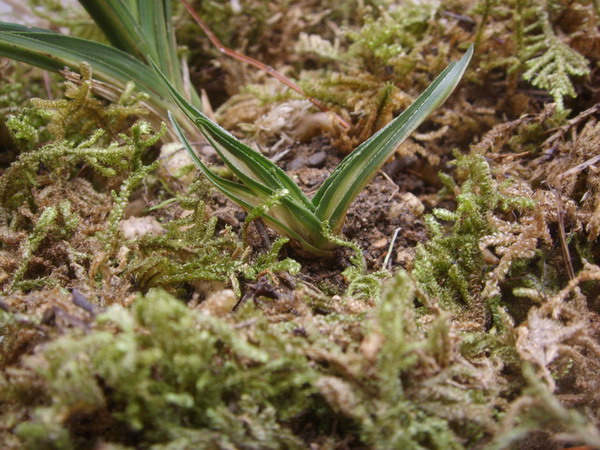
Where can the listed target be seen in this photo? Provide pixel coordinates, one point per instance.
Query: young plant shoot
(309, 223)
(142, 34)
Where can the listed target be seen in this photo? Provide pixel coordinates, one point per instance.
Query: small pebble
(413, 203)
(297, 163)
(220, 303)
(135, 227)
(380, 243)
(408, 203)
(317, 159)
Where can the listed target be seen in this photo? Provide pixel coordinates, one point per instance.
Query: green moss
(60, 223)
(138, 172)
(388, 37)
(402, 423)
(80, 114)
(191, 251)
(27, 129)
(539, 407)
(451, 267)
(540, 50)
(84, 131)
(47, 198)
(361, 284)
(60, 159)
(550, 62)
(162, 373)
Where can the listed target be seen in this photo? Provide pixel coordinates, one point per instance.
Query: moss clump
(58, 224)
(387, 39)
(455, 265)
(543, 41)
(76, 117)
(409, 398)
(32, 209)
(161, 373)
(192, 251)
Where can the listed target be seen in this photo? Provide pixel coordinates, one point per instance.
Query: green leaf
(259, 173)
(155, 18)
(141, 28)
(53, 51)
(303, 220)
(336, 194)
(289, 218)
(120, 24)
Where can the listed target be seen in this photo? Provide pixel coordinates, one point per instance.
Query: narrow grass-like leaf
(117, 19)
(289, 218)
(53, 51)
(155, 19)
(141, 28)
(357, 169)
(257, 172)
(239, 193)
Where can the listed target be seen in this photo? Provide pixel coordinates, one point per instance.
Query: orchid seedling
(309, 223)
(141, 34)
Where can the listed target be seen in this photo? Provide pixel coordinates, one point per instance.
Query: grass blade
(54, 51)
(142, 29)
(120, 26)
(257, 172)
(155, 20)
(357, 169)
(289, 218)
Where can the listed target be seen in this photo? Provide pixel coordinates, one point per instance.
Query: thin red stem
(253, 62)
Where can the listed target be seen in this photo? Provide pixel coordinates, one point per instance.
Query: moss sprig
(80, 113)
(135, 144)
(361, 284)
(550, 62)
(191, 250)
(455, 265)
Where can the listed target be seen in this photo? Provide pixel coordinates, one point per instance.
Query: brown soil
(394, 200)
